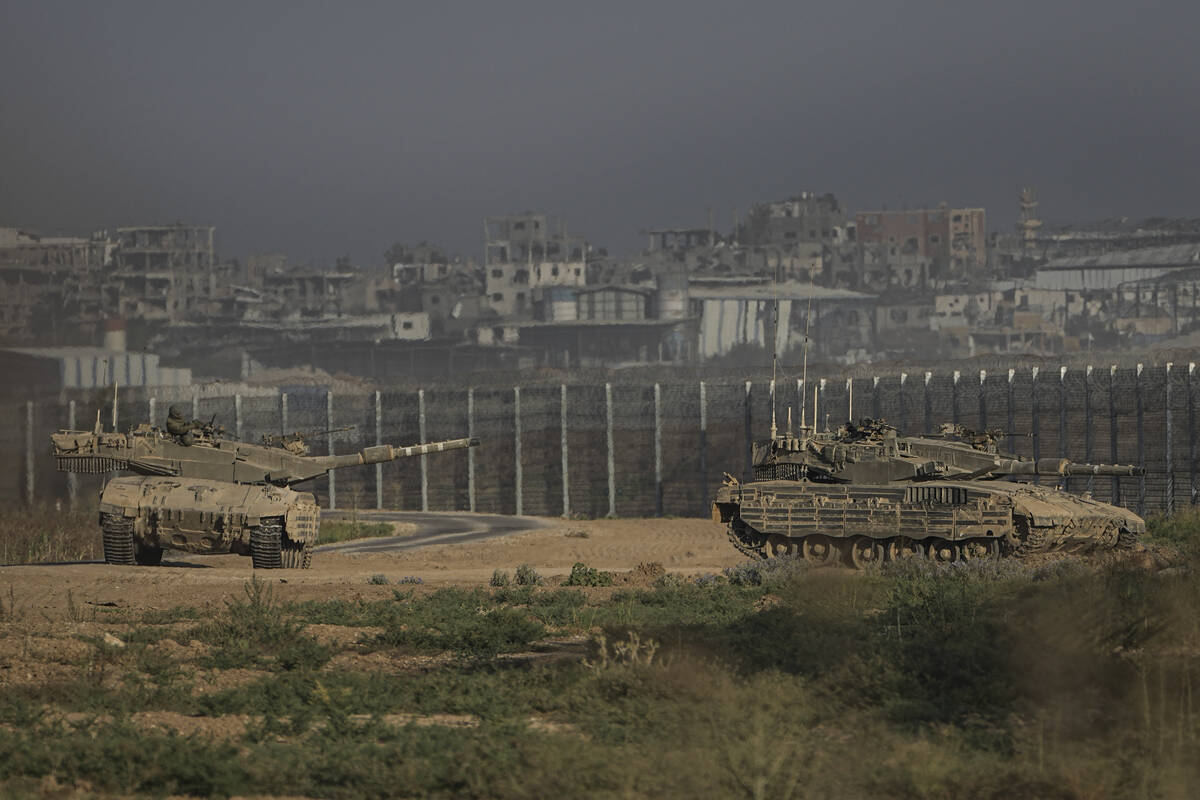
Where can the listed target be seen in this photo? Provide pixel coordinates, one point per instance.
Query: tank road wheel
(819, 550)
(295, 555)
(979, 549)
(903, 549)
(146, 555)
(118, 539)
(865, 552)
(266, 544)
(779, 546)
(942, 551)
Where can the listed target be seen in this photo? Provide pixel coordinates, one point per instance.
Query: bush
(378, 580)
(500, 578)
(411, 579)
(527, 576)
(583, 575)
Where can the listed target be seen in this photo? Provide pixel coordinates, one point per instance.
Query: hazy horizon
(322, 133)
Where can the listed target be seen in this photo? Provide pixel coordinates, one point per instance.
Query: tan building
(523, 255)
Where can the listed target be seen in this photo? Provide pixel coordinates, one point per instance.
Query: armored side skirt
(206, 516)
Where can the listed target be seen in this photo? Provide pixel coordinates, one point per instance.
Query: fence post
(658, 487)
(29, 452)
(1012, 425)
(608, 430)
(928, 405)
(378, 441)
(982, 400)
(1035, 421)
(566, 483)
(954, 397)
(1170, 508)
(1191, 407)
(424, 459)
(875, 396)
(1141, 442)
(1112, 431)
(283, 413)
(849, 399)
(749, 436)
(195, 405)
(1062, 420)
(820, 401)
(1088, 449)
(152, 408)
(771, 392)
(237, 417)
(471, 450)
(903, 407)
(703, 443)
(72, 481)
(800, 397)
(517, 448)
(329, 427)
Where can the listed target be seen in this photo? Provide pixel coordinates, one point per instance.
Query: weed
(527, 576)
(411, 579)
(632, 652)
(500, 578)
(378, 580)
(575, 533)
(255, 632)
(583, 575)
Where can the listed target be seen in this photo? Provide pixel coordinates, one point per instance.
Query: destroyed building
(524, 257)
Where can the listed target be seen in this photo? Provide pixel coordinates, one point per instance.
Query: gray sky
(295, 127)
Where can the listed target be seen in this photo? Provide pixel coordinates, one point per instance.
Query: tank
(204, 493)
(866, 493)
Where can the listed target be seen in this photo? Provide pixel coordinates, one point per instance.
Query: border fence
(638, 450)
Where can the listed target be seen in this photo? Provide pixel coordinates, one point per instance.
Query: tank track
(1126, 539)
(266, 542)
(745, 543)
(296, 555)
(117, 535)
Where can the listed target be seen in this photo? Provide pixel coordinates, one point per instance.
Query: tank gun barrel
(378, 454)
(1061, 467)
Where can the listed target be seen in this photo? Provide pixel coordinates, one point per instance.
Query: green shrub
(527, 576)
(583, 575)
(378, 580)
(500, 578)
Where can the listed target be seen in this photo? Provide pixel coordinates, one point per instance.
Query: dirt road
(75, 591)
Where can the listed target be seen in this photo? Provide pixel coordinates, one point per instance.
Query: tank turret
(868, 492)
(203, 493)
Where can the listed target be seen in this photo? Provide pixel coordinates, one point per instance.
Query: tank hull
(946, 520)
(141, 516)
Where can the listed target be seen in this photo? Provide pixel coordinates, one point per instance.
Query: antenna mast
(774, 349)
(804, 370)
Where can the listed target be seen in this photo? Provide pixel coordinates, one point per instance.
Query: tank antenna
(774, 349)
(114, 407)
(804, 369)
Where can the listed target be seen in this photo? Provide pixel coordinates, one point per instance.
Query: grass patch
(47, 534)
(347, 530)
(982, 680)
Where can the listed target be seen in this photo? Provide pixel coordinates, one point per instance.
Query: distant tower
(1029, 223)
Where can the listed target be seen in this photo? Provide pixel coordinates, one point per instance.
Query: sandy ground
(75, 591)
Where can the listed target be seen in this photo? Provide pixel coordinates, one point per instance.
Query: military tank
(866, 493)
(204, 493)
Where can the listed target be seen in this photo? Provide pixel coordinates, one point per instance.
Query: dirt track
(72, 591)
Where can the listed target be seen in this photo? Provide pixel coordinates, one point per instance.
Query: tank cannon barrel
(1061, 467)
(378, 454)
